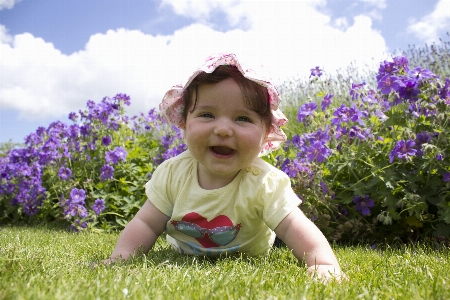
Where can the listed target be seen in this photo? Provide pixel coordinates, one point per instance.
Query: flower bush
(376, 166)
(90, 173)
(372, 163)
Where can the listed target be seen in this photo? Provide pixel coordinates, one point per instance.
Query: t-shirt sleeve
(279, 199)
(157, 189)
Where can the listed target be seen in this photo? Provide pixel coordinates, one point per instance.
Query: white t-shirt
(239, 217)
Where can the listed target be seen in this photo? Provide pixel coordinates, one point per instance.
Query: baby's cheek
(254, 140)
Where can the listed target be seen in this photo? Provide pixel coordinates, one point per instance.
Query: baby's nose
(223, 128)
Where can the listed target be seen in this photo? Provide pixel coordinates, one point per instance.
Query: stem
(365, 178)
(434, 161)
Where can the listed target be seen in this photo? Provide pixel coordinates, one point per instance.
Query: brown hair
(256, 96)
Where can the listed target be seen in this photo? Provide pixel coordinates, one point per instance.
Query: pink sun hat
(172, 105)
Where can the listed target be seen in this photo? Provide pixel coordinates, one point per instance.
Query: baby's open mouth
(222, 150)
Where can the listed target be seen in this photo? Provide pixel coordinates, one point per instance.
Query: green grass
(42, 262)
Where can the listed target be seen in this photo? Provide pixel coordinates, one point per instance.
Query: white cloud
(4, 36)
(341, 23)
(287, 37)
(430, 27)
(40, 81)
(236, 11)
(198, 9)
(378, 4)
(8, 4)
(290, 36)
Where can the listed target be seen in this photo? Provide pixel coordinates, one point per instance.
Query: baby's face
(221, 133)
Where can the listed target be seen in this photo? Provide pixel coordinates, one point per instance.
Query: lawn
(45, 262)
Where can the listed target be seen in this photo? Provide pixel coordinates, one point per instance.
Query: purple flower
(77, 196)
(110, 157)
(402, 150)
(52, 143)
(423, 138)
(340, 131)
(4, 174)
(319, 135)
(421, 74)
(77, 226)
(167, 140)
(64, 173)
(386, 68)
(121, 153)
(298, 141)
(92, 144)
(341, 115)
(83, 225)
(33, 139)
(388, 83)
(85, 129)
(82, 212)
(305, 110)
(115, 155)
(417, 109)
(354, 90)
(439, 157)
(113, 125)
(90, 104)
(370, 98)
(362, 204)
(72, 210)
(123, 98)
(57, 129)
(73, 116)
(342, 209)
(172, 152)
(401, 62)
(293, 167)
(98, 206)
(106, 172)
(356, 131)
(73, 131)
(106, 140)
(326, 101)
(344, 114)
(446, 177)
(323, 187)
(316, 72)
(444, 91)
(76, 209)
(446, 97)
(409, 90)
(317, 151)
(381, 116)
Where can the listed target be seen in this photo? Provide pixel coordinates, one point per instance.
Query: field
(45, 262)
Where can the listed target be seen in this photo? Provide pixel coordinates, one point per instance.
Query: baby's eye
(206, 115)
(244, 119)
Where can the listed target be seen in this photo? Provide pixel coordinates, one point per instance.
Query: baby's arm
(308, 244)
(141, 233)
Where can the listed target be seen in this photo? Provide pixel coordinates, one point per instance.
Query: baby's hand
(326, 273)
(105, 262)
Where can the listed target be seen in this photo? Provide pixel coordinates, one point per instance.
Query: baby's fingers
(326, 273)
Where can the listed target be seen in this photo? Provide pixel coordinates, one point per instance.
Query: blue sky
(57, 54)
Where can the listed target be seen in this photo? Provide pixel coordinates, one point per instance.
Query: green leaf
(395, 119)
